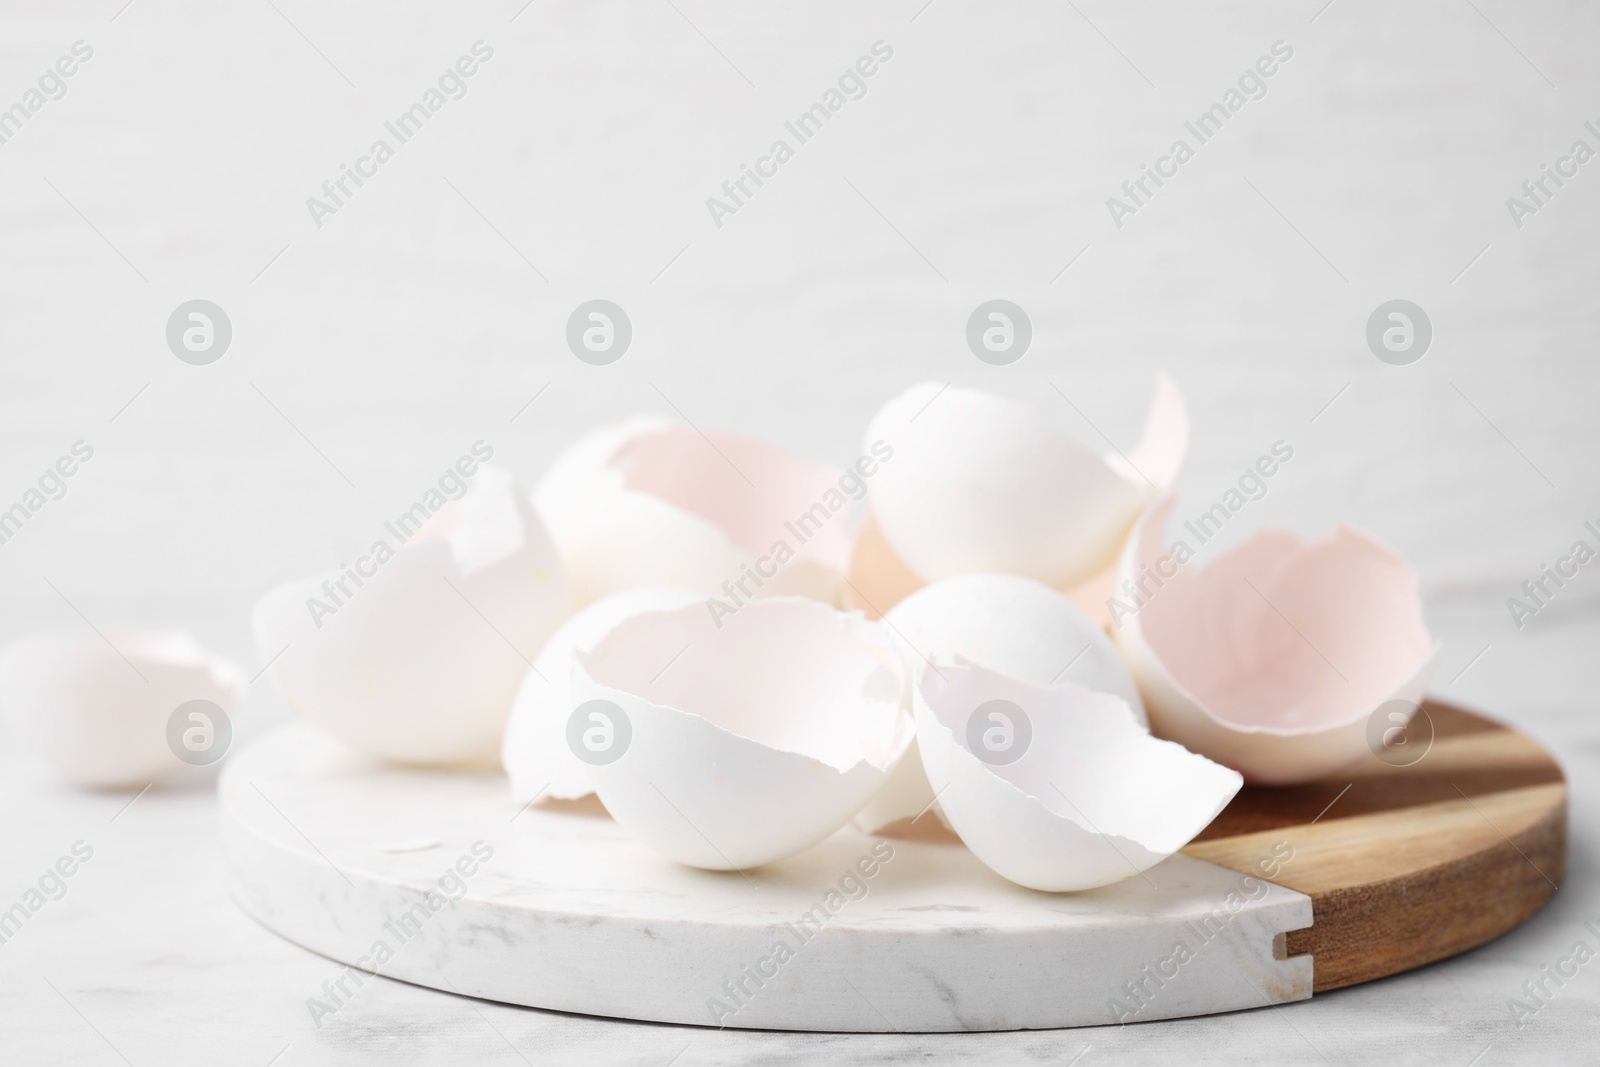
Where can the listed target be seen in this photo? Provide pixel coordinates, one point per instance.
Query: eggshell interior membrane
(981, 483)
(719, 513)
(1012, 625)
(82, 706)
(750, 740)
(419, 662)
(535, 754)
(1092, 799)
(1272, 658)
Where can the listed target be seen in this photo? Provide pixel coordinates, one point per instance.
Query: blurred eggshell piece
(981, 483)
(879, 579)
(905, 795)
(1014, 626)
(1157, 459)
(563, 493)
(535, 753)
(718, 513)
(1272, 659)
(99, 713)
(420, 660)
(749, 741)
(1073, 793)
(281, 615)
(1008, 624)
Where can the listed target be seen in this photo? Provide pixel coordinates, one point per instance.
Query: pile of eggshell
(779, 681)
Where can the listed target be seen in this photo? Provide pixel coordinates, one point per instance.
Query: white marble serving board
(559, 908)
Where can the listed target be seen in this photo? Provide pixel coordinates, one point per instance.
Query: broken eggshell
(1272, 658)
(98, 710)
(1072, 793)
(1009, 624)
(981, 483)
(414, 654)
(562, 493)
(535, 753)
(749, 738)
(718, 513)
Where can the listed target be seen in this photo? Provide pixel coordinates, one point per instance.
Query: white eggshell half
(1093, 798)
(718, 513)
(751, 741)
(534, 752)
(981, 483)
(1012, 625)
(563, 492)
(87, 710)
(419, 663)
(1273, 658)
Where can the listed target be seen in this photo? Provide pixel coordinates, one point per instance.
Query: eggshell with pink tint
(980, 483)
(1009, 624)
(1091, 799)
(99, 713)
(1272, 659)
(718, 513)
(420, 662)
(535, 754)
(749, 741)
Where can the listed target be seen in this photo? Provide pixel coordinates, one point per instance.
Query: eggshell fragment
(535, 753)
(1091, 799)
(99, 714)
(1012, 625)
(980, 483)
(419, 661)
(751, 741)
(1158, 457)
(563, 492)
(878, 579)
(1272, 659)
(718, 513)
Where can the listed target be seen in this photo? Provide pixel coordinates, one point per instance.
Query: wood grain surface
(1406, 865)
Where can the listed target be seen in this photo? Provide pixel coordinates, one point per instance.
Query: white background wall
(405, 328)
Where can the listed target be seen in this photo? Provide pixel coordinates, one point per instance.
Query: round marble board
(438, 879)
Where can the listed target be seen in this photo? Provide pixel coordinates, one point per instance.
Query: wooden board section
(1408, 865)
